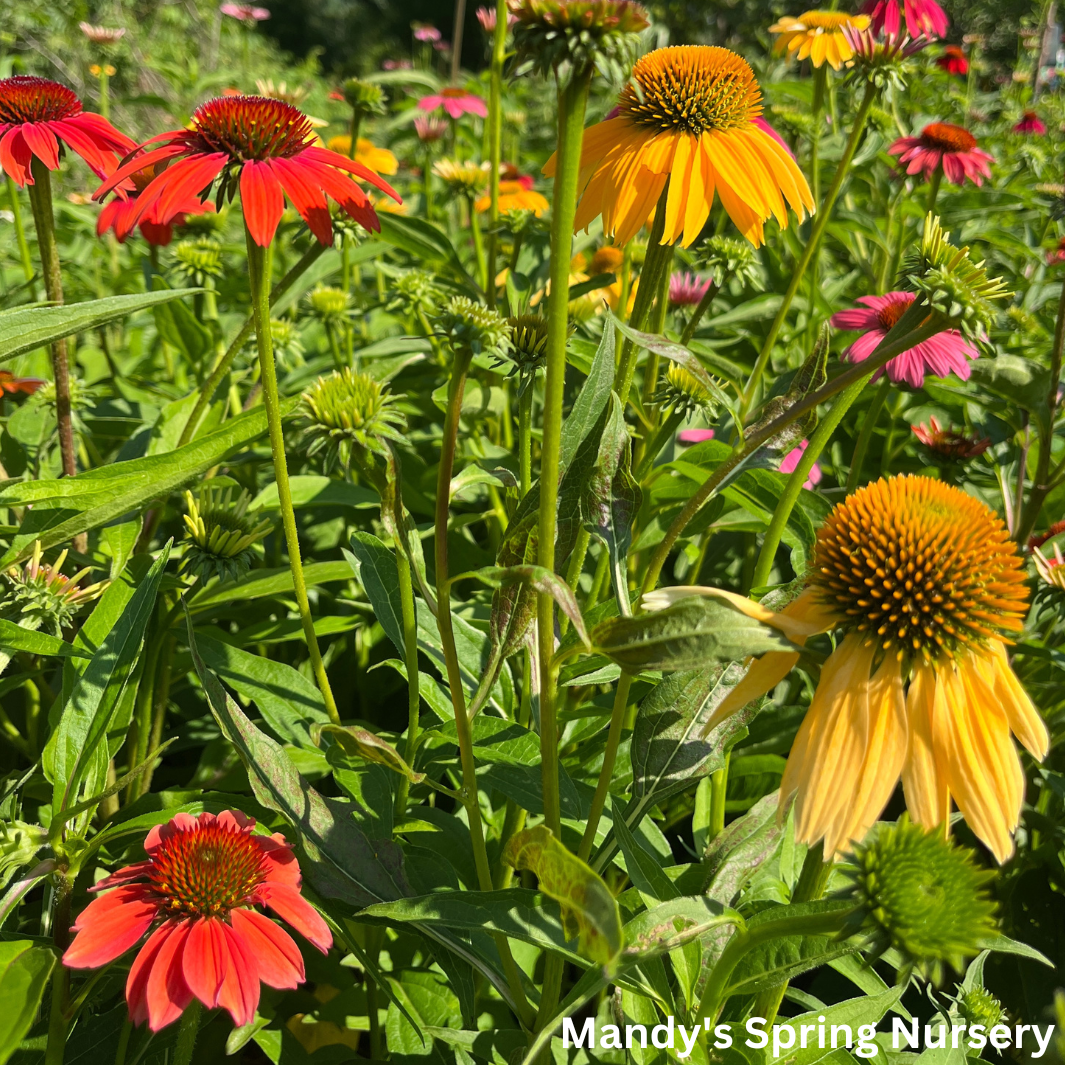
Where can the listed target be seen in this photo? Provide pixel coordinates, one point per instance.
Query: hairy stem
(20, 237)
(495, 141)
(606, 773)
(410, 660)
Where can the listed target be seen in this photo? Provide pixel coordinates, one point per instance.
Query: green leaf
(591, 401)
(686, 635)
(64, 507)
(539, 580)
(427, 999)
(375, 568)
(23, 329)
(422, 240)
(313, 490)
(589, 911)
(342, 862)
(1012, 377)
(178, 326)
(24, 973)
(673, 924)
(361, 743)
(72, 750)
(15, 638)
(266, 583)
(644, 869)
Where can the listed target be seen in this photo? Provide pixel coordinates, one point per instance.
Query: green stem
(933, 190)
(188, 1029)
(704, 305)
(865, 435)
(259, 279)
(820, 81)
(221, 368)
(410, 659)
(913, 328)
(790, 496)
(44, 220)
(123, 1042)
(20, 236)
(525, 400)
(495, 140)
(57, 1017)
(824, 213)
(478, 244)
(656, 443)
(658, 254)
(606, 773)
(718, 791)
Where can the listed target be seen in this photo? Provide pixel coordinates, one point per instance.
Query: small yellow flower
(379, 160)
(818, 36)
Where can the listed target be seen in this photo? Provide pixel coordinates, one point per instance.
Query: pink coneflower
(686, 290)
(790, 462)
(1032, 124)
(396, 64)
(426, 33)
(245, 12)
(688, 437)
(1058, 254)
(950, 443)
(943, 354)
(924, 18)
(441, 46)
(198, 889)
(944, 145)
(101, 34)
(456, 102)
(953, 60)
(429, 128)
(486, 16)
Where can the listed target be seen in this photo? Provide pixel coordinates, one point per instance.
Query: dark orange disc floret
(890, 313)
(945, 137)
(29, 99)
(921, 567)
(208, 871)
(693, 88)
(251, 127)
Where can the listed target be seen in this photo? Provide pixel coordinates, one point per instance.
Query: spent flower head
(39, 596)
(575, 35)
(473, 328)
(348, 414)
(921, 895)
(220, 534)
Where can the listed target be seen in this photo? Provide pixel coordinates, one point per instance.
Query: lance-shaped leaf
(24, 972)
(23, 329)
(14, 637)
(612, 497)
(687, 635)
(589, 911)
(374, 567)
(342, 861)
(539, 580)
(361, 743)
(672, 924)
(66, 506)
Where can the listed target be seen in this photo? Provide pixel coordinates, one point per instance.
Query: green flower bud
(979, 1006)
(220, 533)
(363, 97)
(328, 304)
(685, 393)
(197, 260)
(473, 328)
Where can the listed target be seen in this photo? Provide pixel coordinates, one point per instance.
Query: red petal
(15, 157)
(41, 141)
(279, 861)
(276, 954)
(236, 820)
(101, 161)
(306, 197)
(137, 981)
(134, 166)
(110, 925)
(240, 991)
(205, 960)
(167, 993)
(102, 132)
(292, 907)
(127, 872)
(262, 200)
(351, 198)
(178, 182)
(335, 159)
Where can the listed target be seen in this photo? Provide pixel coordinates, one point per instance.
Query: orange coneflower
(818, 36)
(924, 584)
(689, 117)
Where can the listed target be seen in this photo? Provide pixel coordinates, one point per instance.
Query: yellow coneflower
(925, 584)
(818, 36)
(691, 117)
(379, 160)
(516, 196)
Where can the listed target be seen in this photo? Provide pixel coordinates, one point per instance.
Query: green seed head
(415, 291)
(473, 328)
(196, 260)
(922, 895)
(328, 304)
(220, 534)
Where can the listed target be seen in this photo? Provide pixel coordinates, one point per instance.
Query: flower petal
(143, 964)
(262, 200)
(278, 958)
(240, 991)
(110, 925)
(292, 907)
(206, 960)
(167, 994)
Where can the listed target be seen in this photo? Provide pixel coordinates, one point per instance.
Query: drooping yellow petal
(764, 675)
(700, 193)
(679, 184)
(927, 797)
(1024, 719)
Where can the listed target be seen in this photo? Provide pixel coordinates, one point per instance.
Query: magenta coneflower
(245, 12)
(924, 18)
(686, 290)
(945, 353)
(456, 102)
(689, 437)
(426, 33)
(953, 60)
(944, 145)
(266, 147)
(1031, 124)
(950, 443)
(486, 16)
(198, 890)
(790, 461)
(429, 128)
(765, 127)
(36, 114)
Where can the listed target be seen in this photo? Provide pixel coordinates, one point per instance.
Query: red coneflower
(1041, 538)
(950, 443)
(198, 887)
(36, 114)
(945, 353)
(953, 60)
(924, 18)
(1032, 124)
(266, 144)
(456, 102)
(943, 145)
(115, 214)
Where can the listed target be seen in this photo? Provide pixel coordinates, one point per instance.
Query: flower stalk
(259, 260)
(704, 305)
(495, 142)
(188, 1029)
(824, 213)
(20, 236)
